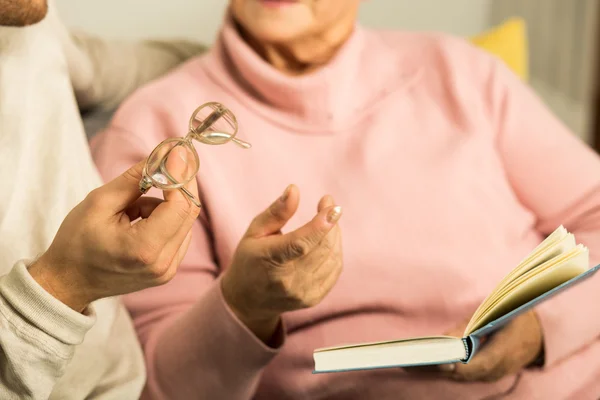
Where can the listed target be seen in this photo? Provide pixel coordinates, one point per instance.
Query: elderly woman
(449, 171)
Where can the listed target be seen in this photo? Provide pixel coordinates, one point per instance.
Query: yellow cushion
(508, 41)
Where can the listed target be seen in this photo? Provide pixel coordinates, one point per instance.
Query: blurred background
(561, 41)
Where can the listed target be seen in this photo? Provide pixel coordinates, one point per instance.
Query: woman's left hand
(507, 352)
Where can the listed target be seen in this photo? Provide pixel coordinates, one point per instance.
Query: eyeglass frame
(198, 133)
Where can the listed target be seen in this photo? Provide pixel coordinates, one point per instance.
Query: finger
(458, 330)
(330, 281)
(123, 190)
(180, 241)
(305, 239)
(330, 246)
(489, 363)
(171, 220)
(142, 208)
(176, 213)
(324, 283)
(515, 347)
(165, 221)
(183, 248)
(445, 369)
(174, 255)
(181, 166)
(326, 201)
(274, 218)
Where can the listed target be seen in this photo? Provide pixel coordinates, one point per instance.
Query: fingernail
(286, 193)
(447, 367)
(334, 215)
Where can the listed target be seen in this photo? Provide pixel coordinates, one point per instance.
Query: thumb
(302, 241)
(326, 201)
(458, 329)
(274, 218)
(179, 164)
(122, 191)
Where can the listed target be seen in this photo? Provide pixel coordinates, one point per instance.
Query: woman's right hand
(273, 273)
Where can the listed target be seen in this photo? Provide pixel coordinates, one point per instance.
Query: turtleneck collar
(326, 99)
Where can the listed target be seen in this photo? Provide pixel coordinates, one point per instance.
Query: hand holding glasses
(211, 123)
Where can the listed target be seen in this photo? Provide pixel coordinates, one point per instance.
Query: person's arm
(193, 343)
(557, 177)
(97, 253)
(38, 336)
(104, 72)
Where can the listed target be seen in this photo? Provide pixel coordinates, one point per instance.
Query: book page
(393, 354)
(538, 281)
(563, 244)
(559, 242)
(424, 339)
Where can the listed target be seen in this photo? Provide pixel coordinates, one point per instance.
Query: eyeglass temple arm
(191, 197)
(208, 121)
(211, 119)
(241, 143)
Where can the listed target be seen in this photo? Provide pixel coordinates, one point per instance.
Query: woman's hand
(98, 253)
(272, 273)
(507, 352)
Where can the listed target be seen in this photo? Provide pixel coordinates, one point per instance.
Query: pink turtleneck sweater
(449, 170)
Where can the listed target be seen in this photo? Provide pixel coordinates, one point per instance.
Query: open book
(553, 266)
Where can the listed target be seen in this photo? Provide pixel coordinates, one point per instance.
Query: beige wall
(199, 19)
(461, 17)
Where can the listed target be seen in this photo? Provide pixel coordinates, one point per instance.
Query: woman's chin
(278, 4)
(278, 32)
(279, 37)
(274, 21)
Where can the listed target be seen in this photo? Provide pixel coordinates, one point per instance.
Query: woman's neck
(302, 55)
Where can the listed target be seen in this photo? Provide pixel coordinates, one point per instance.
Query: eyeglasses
(174, 162)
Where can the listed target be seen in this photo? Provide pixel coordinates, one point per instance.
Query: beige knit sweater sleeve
(38, 336)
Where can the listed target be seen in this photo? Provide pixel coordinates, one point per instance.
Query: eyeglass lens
(172, 164)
